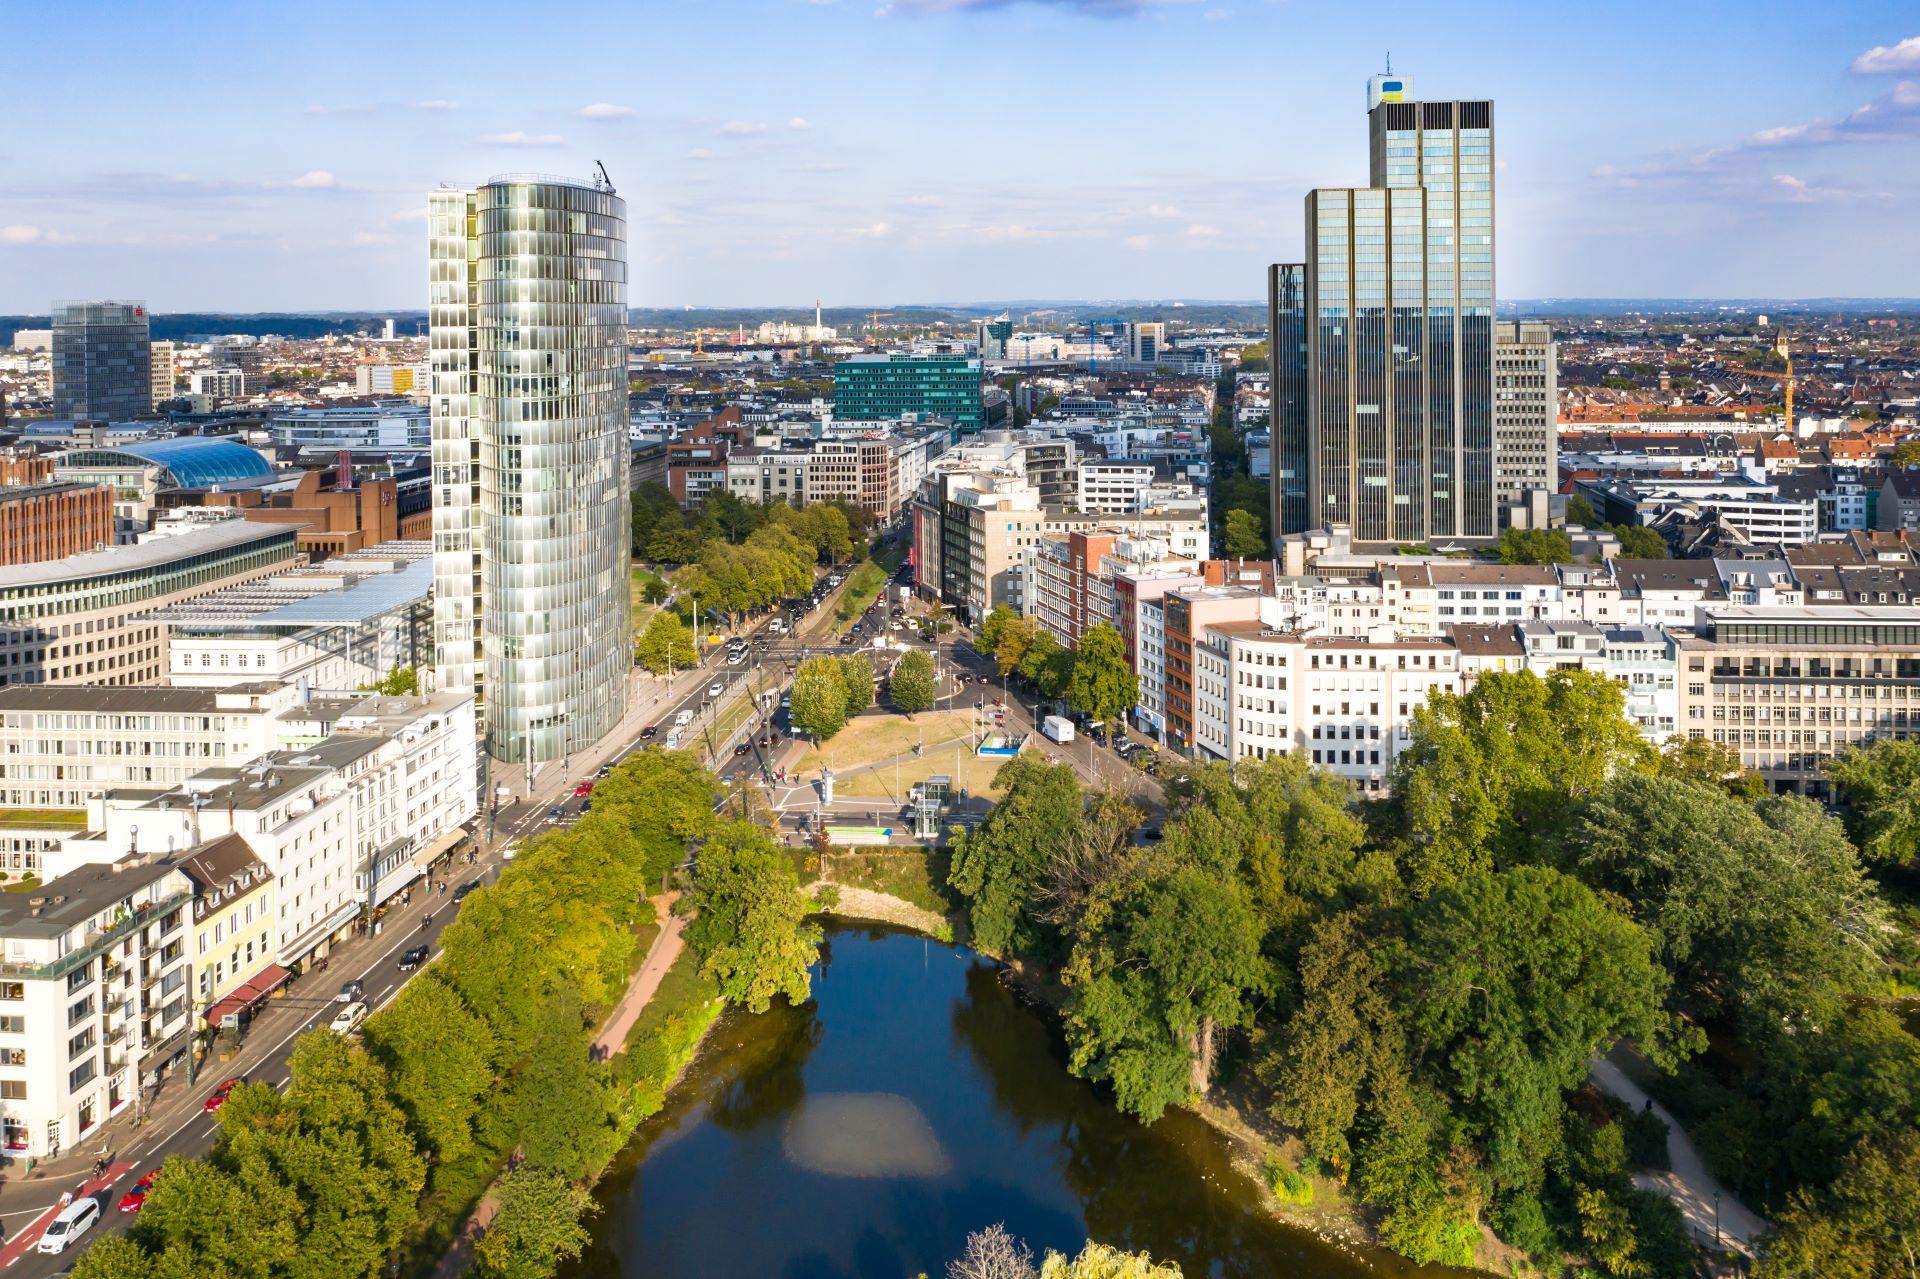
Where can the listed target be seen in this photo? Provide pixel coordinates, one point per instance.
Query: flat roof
(154, 553)
(77, 896)
(304, 598)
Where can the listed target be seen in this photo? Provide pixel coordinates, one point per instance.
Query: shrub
(1287, 1185)
(1646, 1135)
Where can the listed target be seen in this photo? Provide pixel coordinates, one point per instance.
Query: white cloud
(433, 104)
(1139, 243)
(315, 180)
(521, 138)
(1778, 134)
(878, 230)
(926, 201)
(1201, 231)
(19, 233)
(606, 111)
(700, 153)
(364, 239)
(741, 128)
(799, 122)
(1163, 211)
(412, 213)
(1890, 59)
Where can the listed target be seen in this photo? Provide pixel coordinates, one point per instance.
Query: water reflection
(912, 1101)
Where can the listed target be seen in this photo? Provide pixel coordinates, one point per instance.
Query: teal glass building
(1382, 340)
(886, 388)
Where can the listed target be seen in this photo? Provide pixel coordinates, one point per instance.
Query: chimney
(343, 470)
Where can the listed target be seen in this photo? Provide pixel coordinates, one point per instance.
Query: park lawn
(862, 589)
(862, 756)
(869, 739)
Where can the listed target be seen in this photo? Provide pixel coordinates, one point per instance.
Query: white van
(74, 1220)
(683, 719)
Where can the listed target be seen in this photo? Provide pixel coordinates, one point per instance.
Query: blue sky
(261, 156)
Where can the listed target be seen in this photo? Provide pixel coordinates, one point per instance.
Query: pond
(912, 1100)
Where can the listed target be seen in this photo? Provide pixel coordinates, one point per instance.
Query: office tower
(994, 335)
(160, 360)
(1395, 373)
(527, 307)
(887, 388)
(1145, 342)
(1526, 412)
(100, 361)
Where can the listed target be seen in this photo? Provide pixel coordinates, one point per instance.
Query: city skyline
(833, 150)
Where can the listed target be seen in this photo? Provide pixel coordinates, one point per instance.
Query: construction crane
(1093, 360)
(873, 327)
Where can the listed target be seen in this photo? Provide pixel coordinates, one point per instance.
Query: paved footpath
(1708, 1206)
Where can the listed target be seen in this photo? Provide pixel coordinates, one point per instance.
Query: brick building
(52, 521)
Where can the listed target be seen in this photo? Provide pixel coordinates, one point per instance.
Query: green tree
(1580, 512)
(912, 686)
(1709, 763)
(1245, 536)
(1164, 962)
(1639, 542)
(819, 697)
(401, 681)
(1253, 357)
(1489, 773)
(998, 865)
(1865, 1225)
(1098, 1261)
(750, 929)
(1762, 911)
(1511, 984)
(1879, 788)
(562, 1101)
(1103, 684)
(1535, 546)
(665, 645)
(536, 1226)
(1047, 665)
(440, 1061)
(330, 1163)
(856, 672)
(1906, 452)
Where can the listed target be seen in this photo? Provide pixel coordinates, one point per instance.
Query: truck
(1057, 727)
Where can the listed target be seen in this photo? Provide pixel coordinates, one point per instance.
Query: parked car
(219, 1097)
(136, 1198)
(413, 959)
(74, 1220)
(348, 1019)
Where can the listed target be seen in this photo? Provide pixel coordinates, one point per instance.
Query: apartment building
(61, 747)
(343, 824)
(93, 998)
(52, 521)
(1426, 598)
(1788, 688)
(233, 927)
(1113, 487)
(1345, 701)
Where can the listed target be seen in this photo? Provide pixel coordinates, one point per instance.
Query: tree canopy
(1103, 684)
(819, 700)
(750, 929)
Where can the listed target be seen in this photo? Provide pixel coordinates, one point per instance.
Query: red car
(136, 1199)
(219, 1097)
(583, 790)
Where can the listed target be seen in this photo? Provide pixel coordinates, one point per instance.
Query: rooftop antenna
(1389, 61)
(606, 183)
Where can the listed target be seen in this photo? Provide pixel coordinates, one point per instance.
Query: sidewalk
(1710, 1208)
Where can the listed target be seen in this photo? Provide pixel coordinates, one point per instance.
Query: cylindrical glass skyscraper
(531, 524)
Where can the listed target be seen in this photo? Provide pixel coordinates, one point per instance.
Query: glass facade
(1386, 405)
(531, 527)
(885, 388)
(102, 364)
(1287, 359)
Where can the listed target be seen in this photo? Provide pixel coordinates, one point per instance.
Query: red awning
(251, 992)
